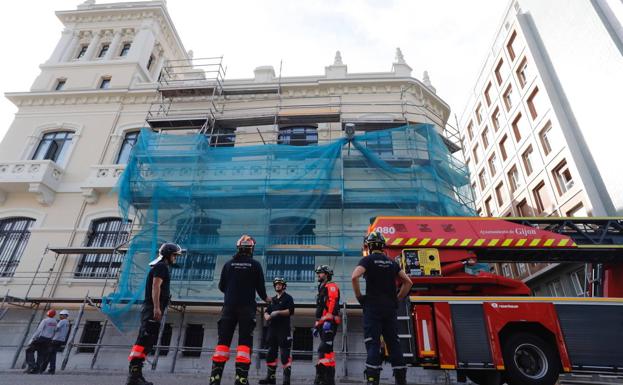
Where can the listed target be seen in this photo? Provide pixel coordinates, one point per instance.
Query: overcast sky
(449, 38)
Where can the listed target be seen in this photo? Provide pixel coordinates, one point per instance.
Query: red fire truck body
(487, 327)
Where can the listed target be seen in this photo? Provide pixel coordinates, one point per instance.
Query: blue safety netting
(304, 205)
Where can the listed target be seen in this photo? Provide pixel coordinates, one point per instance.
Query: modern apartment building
(302, 163)
(539, 132)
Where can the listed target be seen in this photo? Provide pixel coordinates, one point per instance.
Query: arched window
(106, 232)
(129, 141)
(14, 234)
(125, 49)
(54, 146)
(298, 136)
(291, 231)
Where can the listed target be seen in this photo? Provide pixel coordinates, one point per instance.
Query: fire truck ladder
(598, 240)
(584, 231)
(405, 330)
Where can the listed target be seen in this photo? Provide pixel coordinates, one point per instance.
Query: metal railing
(304, 239)
(172, 348)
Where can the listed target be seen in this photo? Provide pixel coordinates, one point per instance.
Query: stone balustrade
(41, 177)
(102, 178)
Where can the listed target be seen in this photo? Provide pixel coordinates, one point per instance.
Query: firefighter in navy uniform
(157, 297)
(277, 314)
(379, 308)
(327, 320)
(241, 278)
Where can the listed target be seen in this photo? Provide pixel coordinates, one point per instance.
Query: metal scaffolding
(193, 95)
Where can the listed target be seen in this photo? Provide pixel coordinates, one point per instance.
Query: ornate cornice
(29, 99)
(155, 11)
(415, 94)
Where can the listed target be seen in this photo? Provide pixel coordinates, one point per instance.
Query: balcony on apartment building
(102, 179)
(40, 177)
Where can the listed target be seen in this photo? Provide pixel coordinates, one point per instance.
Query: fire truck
(488, 327)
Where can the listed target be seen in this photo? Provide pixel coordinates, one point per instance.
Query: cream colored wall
(88, 75)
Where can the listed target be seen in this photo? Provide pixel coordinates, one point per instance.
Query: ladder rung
(403, 318)
(407, 354)
(404, 335)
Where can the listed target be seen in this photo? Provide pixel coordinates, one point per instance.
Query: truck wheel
(485, 377)
(530, 360)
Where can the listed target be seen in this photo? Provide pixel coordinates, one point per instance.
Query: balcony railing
(102, 178)
(305, 239)
(41, 177)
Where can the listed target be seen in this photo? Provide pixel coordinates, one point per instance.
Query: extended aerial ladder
(487, 327)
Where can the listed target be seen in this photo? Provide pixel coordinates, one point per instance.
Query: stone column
(159, 65)
(143, 44)
(69, 49)
(93, 45)
(114, 46)
(66, 38)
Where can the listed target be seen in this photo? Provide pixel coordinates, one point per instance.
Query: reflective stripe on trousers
(327, 360)
(221, 353)
(137, 352)
(243, 354)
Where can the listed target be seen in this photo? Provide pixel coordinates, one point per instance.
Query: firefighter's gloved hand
(326, 326)
(362, 299)
(315, 332)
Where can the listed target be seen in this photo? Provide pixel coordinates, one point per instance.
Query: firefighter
(157, 295)
(327, 321)
(277, 315)
(241, 278)
(40, 343)
(379, 308)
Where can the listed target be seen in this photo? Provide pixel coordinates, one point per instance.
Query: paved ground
(107, 378)
(16, 377)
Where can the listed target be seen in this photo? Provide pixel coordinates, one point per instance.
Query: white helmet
(64, 312)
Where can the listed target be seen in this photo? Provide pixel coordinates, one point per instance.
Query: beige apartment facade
(528, 152)
(72, 135)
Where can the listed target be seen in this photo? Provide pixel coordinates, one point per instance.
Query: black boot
(320, 375)
(217, 373)
(271, 376)
(400, 376)
(242, 374)
(287, 372)
(135, 375)
(329, 378)
(372, 376)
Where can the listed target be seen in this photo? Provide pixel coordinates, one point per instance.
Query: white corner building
(540, 133)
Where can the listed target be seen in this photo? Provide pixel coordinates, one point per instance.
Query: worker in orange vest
(327, 320)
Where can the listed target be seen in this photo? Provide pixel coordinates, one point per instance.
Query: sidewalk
(94, 377)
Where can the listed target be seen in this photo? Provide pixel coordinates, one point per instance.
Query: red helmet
(51, 313)
(246, 243)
